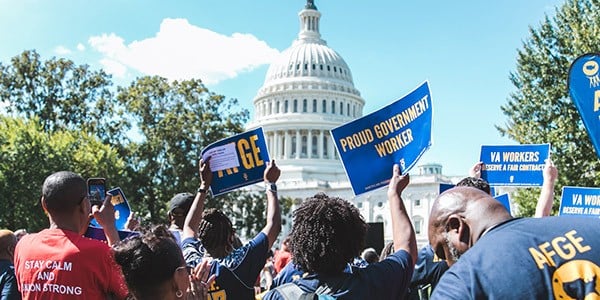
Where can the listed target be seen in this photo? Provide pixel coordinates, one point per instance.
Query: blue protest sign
(122, 209)
(444, 187)
(584, 88)
(580, 201)
(398, 133)
(237, 161)
(514, 165)
(504, 199)
(98, 233)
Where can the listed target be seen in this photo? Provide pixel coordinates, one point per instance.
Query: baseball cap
(182, 203)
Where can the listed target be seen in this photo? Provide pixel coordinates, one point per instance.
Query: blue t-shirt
(289, 273)
(8, 281)
(292, 272)
(545, 258)
(428, 271)
(237, 272)
(388, 279)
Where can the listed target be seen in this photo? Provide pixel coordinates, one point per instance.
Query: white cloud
(183, 51)
(62, 50)
(80, 47)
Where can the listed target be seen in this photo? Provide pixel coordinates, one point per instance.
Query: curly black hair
(478, 183)
(216, 232)
(148, 260)
(327, 234)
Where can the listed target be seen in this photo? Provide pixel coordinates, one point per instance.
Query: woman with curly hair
(329, 232)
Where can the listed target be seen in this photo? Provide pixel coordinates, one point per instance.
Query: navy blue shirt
(545, 258)
(428, 271)
(388, 279)
(237, 272)
(8, 281)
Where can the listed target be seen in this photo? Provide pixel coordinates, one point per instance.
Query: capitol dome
(309, 90)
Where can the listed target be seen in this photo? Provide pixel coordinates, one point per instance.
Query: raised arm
(546, 199)
(105, 216)
(273, 226)
(402, 230)
(194, 216)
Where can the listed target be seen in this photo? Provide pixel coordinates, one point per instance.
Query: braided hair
(327, 234)
(216, 232)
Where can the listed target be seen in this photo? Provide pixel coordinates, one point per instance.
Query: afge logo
(590, 69)
(577, 279)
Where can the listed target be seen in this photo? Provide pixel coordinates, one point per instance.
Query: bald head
(7, 244)
(63, 191)
(459, 216)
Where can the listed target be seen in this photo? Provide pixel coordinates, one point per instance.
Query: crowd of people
(476, 250)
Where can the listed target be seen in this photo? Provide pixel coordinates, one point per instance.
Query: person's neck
(65, 224)
(485, 228)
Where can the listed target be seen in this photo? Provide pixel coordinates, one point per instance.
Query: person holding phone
(59, 262)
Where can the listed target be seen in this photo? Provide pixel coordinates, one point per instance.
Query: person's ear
(457, 225)
(43, 202)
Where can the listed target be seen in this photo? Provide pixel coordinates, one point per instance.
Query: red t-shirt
(61, 264)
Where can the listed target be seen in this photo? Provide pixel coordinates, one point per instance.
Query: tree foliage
(61, 95)
(28, 154)
(67, 117)
(175, 120)
(540, 110)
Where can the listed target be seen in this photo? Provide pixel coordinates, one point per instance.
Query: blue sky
(466, 49)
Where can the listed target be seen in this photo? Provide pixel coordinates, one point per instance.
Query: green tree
(175, 121)
(62, 95)
(540, 110)
(28, 154)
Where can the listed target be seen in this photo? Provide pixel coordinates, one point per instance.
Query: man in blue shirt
(511, 258)
(328, 233)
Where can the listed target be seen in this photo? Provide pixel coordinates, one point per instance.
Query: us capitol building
(307, 91)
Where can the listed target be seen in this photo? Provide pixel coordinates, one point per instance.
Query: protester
(19, 233)
(328, 233)
(8, 282)
(546, 198)
(522, 258)
(236, 269)
(154, 268)
(179, 206)
(283, 256)
(265, 278)
(58, 262)
(428, 271)
(370, 255)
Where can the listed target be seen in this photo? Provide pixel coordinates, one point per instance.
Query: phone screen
(96, 190)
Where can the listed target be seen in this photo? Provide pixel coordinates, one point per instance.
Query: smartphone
(96, 190)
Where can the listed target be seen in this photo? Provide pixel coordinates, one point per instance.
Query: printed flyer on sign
(584, 89)
(237, 161)
(398, 133)
(580, 201)
(514, 165)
